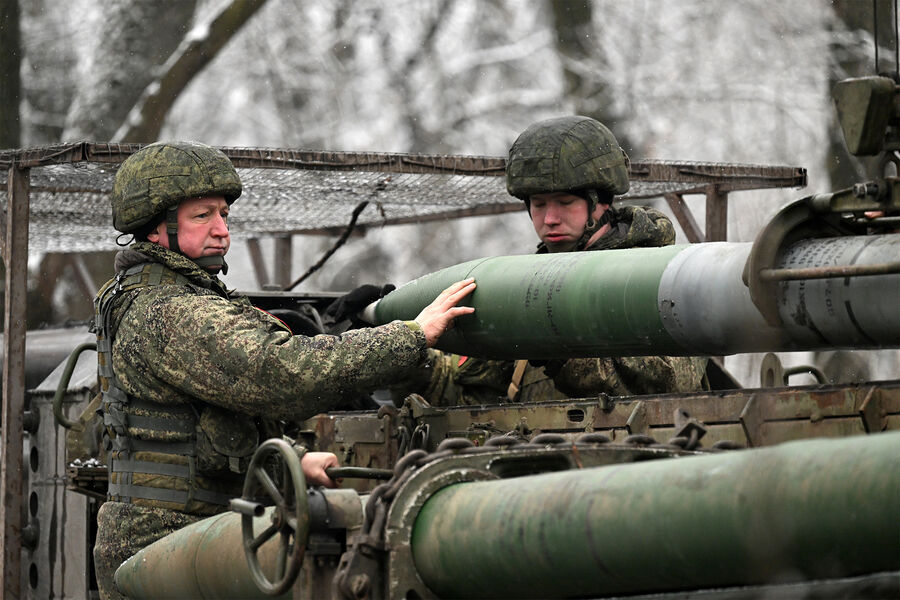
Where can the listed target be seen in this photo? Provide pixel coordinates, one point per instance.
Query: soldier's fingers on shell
(454, 298)
(458, 311)
(456, 287)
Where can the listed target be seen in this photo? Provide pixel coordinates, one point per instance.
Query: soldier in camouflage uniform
(567, 171)
(193, 378)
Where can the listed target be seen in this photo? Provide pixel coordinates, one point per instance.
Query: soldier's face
(202, 228)
(559, 219)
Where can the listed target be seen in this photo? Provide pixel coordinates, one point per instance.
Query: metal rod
(358, 473)
(64, 385)
(829, 272)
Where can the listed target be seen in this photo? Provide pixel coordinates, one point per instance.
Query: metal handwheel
(290, 518)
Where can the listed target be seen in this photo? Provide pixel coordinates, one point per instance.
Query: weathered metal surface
(359, 439)
(804, 510)
(754, 417)
(316, 191)
(716, 214)
(57, 558)
(15, 257)
(644, 301)
(423, 477)
(203, 560)
(206, 559)
(685, 217)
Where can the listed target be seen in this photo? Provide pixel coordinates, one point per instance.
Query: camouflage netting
(293, 191)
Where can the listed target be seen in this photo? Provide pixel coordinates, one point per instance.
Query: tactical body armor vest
(153, 447)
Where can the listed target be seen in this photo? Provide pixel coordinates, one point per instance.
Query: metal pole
(283, 260)
(716, 214)
(11, 474)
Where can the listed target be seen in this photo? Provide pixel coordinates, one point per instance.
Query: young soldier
(568, 171)
(194, 379)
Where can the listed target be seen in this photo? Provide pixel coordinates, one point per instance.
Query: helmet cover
(566, 154)
(159, 176)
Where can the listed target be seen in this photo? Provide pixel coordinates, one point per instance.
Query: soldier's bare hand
(437, 317)
(314, 465)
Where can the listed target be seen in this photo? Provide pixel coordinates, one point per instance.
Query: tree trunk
(133, 39)
(10, 61)
(192, 55)
(582, 64)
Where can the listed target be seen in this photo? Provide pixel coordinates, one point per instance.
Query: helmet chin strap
(172, 229)
(211, 264)
(593, 226)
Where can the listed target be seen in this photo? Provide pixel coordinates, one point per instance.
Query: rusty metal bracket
(688, 427)
(752, 422)
(872, 412)
(637, 422)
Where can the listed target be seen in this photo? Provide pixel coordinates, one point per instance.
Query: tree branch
(199, 47)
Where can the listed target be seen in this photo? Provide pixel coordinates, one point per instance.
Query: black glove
(552, 366)
(349, 305)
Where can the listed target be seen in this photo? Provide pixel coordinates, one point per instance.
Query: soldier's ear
(155, 233)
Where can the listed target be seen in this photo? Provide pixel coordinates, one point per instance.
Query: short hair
(141, 233)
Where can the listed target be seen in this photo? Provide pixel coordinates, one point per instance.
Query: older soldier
(192, 378)
(567, 171)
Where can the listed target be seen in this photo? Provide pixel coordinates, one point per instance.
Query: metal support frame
(258, 262)
(685, 217)
(283, 260)
(15, 257)
(716, 216)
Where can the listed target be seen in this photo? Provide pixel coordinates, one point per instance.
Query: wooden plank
(12, 426)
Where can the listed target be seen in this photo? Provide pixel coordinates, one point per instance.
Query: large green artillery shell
(203, 560)
(676, 300)
(800, 511)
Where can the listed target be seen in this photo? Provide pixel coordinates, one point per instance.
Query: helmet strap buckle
(172, 228)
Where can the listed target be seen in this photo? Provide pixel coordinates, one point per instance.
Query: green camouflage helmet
(159, 176)
(566, 154)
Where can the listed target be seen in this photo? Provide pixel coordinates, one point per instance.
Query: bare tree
(196, 50)
(582, 63)
(130, 41)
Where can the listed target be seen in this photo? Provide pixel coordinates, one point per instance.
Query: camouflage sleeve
(453, 380)
(630, 376)
(172, 344)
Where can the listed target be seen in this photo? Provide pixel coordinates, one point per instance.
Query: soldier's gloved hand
(552, 366)
(349, 305)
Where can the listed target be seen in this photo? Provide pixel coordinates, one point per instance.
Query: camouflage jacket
(475, 380)
(193, 345)
(634, 227)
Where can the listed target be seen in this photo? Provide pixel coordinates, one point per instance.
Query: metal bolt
(861, 190)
